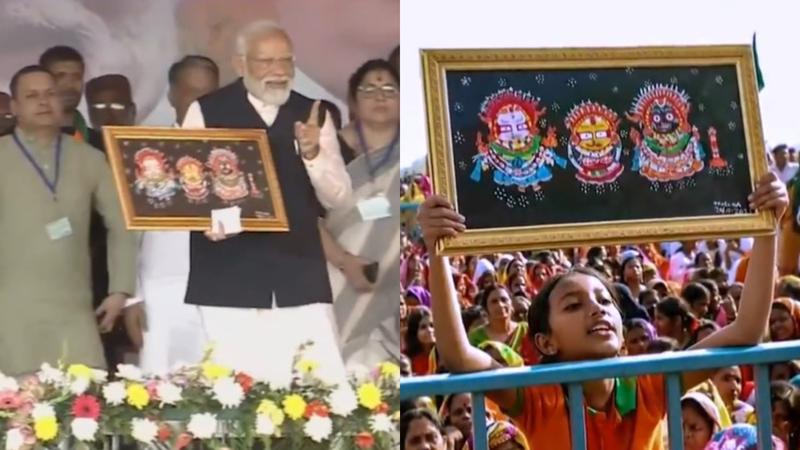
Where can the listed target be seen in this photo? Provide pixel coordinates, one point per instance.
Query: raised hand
(438, 219)
(770, 195)
(307, 134)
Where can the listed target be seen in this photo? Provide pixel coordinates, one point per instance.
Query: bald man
(7, 121)
(110, 101)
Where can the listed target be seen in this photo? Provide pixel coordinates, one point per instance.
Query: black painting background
(562, 200)
(249, 162)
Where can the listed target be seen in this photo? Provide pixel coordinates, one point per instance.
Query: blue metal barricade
(574, 374)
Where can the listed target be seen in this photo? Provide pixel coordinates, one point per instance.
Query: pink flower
(86, 407)
(10, 401)
(152, 389)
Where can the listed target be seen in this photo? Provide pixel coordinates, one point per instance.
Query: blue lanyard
(363, 143)
(51, 185)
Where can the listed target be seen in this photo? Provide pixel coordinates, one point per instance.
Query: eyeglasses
(286, 61)
(114, 106)
(387, 90)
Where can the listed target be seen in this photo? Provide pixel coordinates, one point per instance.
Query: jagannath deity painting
(594, 147)
(229, 182)
(154, 178)
(667, 147)
(193, 179)
(514, 150)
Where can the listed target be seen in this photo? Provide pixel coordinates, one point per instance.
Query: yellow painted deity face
(191, 173)
(594, 133)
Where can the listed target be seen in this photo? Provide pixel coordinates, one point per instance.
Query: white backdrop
(587, 23)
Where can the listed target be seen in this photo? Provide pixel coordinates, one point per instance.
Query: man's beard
(268, 95)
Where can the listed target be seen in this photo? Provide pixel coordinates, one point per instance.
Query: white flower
(115, 393)
(42, 411)
(129, 372)
(264, 426)
(381, 423)
(79, 386)
(228, 392)
(202, 426)
(14, 439)
(168, 393)
(318, 428)
(99, 376)
(8, 384)
(84, 429)
(343, 401)
(144, 430)
(50, 375)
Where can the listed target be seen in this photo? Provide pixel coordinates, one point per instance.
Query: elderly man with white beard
(262, 295)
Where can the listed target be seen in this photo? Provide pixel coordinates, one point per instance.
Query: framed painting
(171, 178)
(553, 148)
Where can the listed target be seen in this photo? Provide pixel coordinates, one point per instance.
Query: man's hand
(307, 134)
(218, 235)
(353, 269)
(136, 324)
(109, 310)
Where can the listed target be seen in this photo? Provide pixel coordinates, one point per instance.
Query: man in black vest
(262, 295)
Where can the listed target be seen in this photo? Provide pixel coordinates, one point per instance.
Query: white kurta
(264, 342)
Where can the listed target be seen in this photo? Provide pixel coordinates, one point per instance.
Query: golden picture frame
(172, 178)
(557, 148)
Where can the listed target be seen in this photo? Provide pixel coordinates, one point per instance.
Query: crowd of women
(483, 312)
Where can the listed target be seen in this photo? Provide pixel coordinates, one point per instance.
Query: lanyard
(51, 185)
(363, 143)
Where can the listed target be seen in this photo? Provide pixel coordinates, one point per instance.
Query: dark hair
(189, 62)
(695, 292)
(471, 315)
(416, 414)
(14, 84)
(779, 148)
(413, 346)
(370, 66)
(790, 290)
(677, 308)
(794, 367)
(692, 403)
(662, 344)
(702, 325)
(710, 285)
(717, 273)
(539, 312)
(395, 54)
(60, 53)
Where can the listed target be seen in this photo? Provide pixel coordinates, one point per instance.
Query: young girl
(575, 317)
(638, 335)
(420, 340)
(675, 320)
(700, 420)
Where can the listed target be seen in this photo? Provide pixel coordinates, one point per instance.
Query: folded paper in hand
(230, 218)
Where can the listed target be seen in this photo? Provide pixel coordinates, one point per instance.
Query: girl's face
(728, 381)
(414, 266)
(704, 261)
(633, 272)
(423, 435)
(517, 284)
(498, 305)
(425, 332)
(700, 307)
(696, 429)
(461, 413)
(584, 321)
(539, 274)
(781, 325)
(666, 326)
(636, 341)
(516, 267)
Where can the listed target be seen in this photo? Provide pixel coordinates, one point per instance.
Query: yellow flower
(270, 409)
(46, 428)
(306, 366)
(215, 371)
(294, 406)
(80, 371)
(369, 396)
(390, 370)
(138, 397)
(396, 416)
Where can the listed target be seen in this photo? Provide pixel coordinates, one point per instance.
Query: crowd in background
(671, 296)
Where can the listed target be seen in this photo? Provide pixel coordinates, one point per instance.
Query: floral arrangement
(202, 406)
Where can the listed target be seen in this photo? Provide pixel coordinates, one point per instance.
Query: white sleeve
(327, 171)
(194, 117)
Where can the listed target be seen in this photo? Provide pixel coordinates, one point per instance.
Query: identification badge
(59, 229)
(374, 208)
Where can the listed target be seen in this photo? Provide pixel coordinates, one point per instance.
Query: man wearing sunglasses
(110, 101)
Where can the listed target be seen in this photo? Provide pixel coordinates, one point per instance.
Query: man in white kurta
(263, 340)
